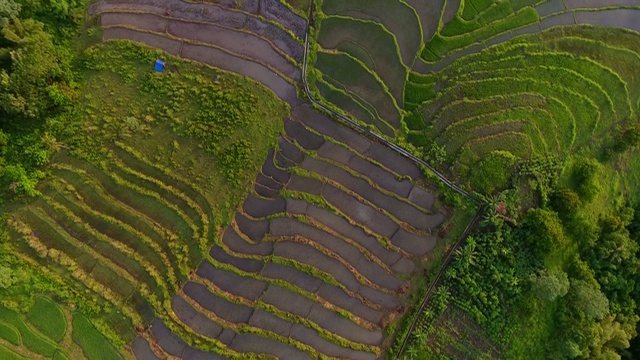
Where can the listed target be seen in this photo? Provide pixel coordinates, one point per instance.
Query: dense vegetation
(95, 150)
(104, 164)
(543, 125)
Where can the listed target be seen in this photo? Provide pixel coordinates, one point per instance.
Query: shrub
(585, 177)
(543, 232)
(550, 285)
(492, 172)
(565, 202)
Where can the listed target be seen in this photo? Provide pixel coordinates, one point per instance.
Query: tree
(585, 177)
(589, 300)
(565, 202)
(7, 277)
(35, 66)
(8, 11)
(543, 232)
(550, 284)
(492, 172)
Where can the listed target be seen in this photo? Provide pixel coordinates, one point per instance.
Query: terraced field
(317, 260)
(320, 259)
(378, 82)
(51, 332)
(261, 39)
(545, 94)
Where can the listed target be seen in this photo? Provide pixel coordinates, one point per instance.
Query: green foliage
(549, 285)
(435, 154)
(9, 354)
(625, 138)
(488, 275)
(48, 318)
(565, 202)
(10, 333)
(36, 65)
(588, 299)
(543, 232)
(542, 172)
(585, 173)
(94, 345)
(31, 340)
(493, 172)
(9, 10)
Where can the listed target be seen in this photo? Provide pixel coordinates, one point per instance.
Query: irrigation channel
(372, 135)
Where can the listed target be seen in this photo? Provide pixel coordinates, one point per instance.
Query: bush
(492, 172)
(585, 177)
(565, 202)
(549, 285)
(543, 232)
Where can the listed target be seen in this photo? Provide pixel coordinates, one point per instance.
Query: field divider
(208, 3)
(377, 78)
(44, 216)
(165, 234)
(521, 99)
(123, 248)
(204, 219)
(205, 44)
(505, 133)
(76, 272)
(330, 87)
(361, 199)
(371, 257)
(384, 28)
(152, 194)
(585, 98)
(528, 85)
(368, 133)
(546, 68)
(356, 153)
(284, 315)
(295, 289)
(138, 156)
(362, 176)
(332, 254)
(361, 102)
(365, 104)
(257, 16)
(503, 116)
(22, 351)
(128, 228)
(325, 277)
(383, 241)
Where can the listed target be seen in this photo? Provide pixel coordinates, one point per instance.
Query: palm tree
(413, 352)
(467, 255)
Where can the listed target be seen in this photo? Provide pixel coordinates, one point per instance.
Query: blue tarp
(159, 66)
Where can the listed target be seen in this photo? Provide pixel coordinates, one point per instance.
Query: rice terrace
(323, 179)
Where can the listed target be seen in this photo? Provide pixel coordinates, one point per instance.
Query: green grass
(126, 211)
(9, 333)
(442, 45)
(30, 339)
(460, 25)
(7, 354)
(301, 7)
(94, 345)
(48, 318)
